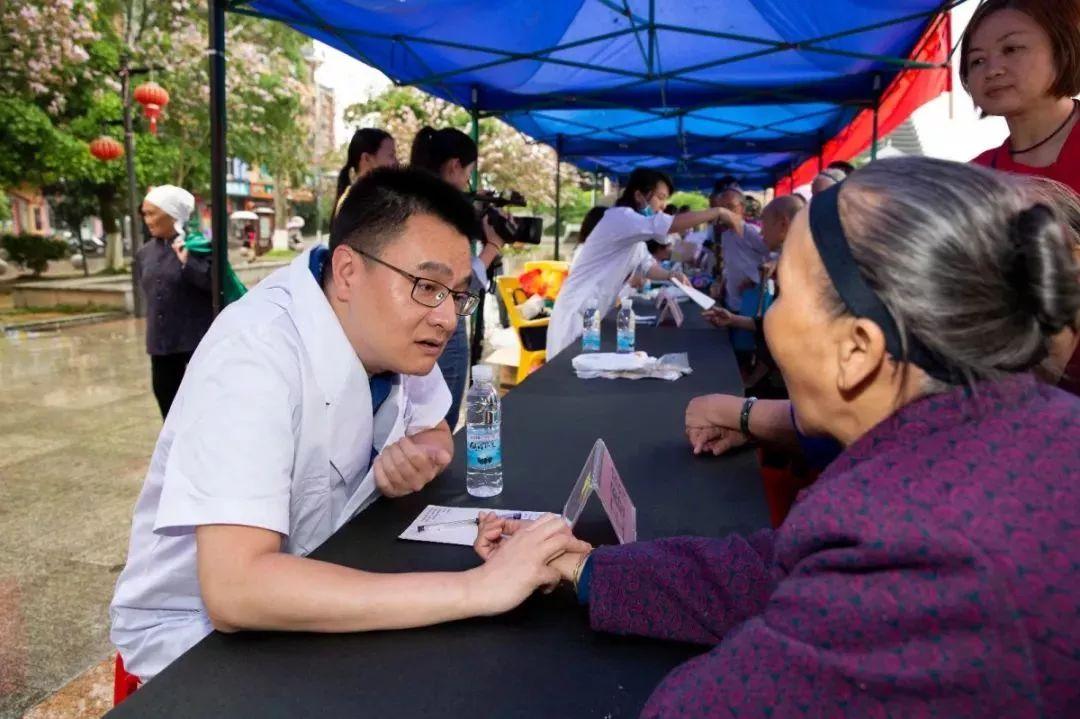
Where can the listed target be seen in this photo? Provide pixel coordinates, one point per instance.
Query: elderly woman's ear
(860, 354)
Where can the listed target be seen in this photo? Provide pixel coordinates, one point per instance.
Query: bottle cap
(482, 373)
(627, 304)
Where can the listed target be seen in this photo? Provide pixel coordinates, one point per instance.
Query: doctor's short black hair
(373, 210)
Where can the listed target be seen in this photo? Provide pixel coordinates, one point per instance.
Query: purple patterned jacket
(932, 570)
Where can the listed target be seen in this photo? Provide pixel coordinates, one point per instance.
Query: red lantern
(105, 148)
(152, 97)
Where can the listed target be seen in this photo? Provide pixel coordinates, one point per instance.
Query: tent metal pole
(874, 142)
(219, 221)
(474, 114)
(652, 36)
(877, 108)
(558, 193)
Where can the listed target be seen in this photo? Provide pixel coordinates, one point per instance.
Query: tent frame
(638, 26)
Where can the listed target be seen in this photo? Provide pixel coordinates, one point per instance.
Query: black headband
(860, 299)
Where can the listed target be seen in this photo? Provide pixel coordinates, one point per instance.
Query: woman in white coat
(612, 251)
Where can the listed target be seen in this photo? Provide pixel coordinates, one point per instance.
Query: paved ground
(77, 425)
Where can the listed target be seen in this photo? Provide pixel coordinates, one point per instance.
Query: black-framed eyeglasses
(430, 293)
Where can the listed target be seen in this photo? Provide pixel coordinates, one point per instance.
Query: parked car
(90, 245)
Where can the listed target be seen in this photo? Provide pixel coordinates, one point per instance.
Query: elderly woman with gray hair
(931, 569)
(176, 286)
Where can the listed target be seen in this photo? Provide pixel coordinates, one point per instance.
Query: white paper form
(702, 299)
(464, 534)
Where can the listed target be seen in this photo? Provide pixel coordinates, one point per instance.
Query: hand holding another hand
(518, 557)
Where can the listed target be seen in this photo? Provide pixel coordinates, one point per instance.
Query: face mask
(648, 211)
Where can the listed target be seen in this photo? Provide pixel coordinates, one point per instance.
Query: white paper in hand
(702, 299)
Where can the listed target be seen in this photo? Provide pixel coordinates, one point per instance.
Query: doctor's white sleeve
(427, 400)
(627, 226)
(234, 440)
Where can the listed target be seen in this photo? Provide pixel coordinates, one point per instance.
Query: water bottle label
(626, 342)
(484, 447)
(590, 342)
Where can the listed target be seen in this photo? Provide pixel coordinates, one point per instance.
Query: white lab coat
(272, 428)
(607, 258)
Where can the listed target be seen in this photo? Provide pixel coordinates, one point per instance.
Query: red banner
(910, 90)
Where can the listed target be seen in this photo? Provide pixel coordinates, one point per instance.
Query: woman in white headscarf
(175, 284)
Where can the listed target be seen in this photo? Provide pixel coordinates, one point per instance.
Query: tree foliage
(60, 65)
(508, 159)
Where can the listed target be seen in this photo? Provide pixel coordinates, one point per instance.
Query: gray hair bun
(1039, 276)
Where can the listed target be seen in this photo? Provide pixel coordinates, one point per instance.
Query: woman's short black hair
(843, 165)
(375, 208)
(655, 247)
(1059, 19)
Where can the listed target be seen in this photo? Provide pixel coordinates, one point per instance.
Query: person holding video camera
(614, 250)
(451, 155)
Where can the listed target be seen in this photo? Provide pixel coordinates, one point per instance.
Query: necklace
(1048, 138)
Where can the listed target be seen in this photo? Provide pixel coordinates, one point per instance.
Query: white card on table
(613, 495)
(600, 476)
(670, 313)
(583, 488)
(431, 525)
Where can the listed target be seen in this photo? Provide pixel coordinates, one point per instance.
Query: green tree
(508, 158)
(695, 200)
(59, 65)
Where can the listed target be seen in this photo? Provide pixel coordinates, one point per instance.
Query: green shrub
(33, 252)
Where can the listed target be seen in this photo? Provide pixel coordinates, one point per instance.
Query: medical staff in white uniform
(307, 400)
(614, 249)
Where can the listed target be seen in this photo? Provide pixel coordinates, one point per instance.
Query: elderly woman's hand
(181, 250)
(493, 529)
(712, 424)
(520, 557)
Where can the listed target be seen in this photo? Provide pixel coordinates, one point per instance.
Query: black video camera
(526, 230)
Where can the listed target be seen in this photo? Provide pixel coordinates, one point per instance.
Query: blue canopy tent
(700, 88)
(752, 142)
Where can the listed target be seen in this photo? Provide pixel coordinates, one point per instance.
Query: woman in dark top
(176, 286)
(452, 155)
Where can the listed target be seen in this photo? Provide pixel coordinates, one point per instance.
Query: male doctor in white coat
(308, 399)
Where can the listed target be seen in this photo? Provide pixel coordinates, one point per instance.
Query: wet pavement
(77, 425)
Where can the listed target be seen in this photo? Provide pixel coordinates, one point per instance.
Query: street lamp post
(133, 201)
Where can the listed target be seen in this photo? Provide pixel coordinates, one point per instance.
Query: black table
(541, 660)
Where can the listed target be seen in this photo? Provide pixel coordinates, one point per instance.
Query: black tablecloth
(541, 660)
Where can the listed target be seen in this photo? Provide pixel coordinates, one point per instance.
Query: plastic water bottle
(590, 328)
(483, 435)
(625, 324)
